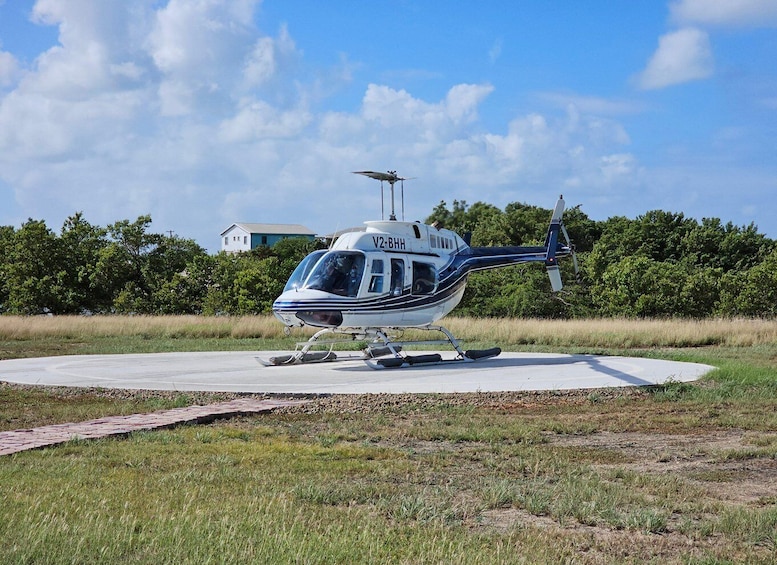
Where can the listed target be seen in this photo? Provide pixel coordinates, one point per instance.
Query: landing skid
(382, 352)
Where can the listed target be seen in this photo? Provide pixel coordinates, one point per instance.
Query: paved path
(239, 371)
(21, 440)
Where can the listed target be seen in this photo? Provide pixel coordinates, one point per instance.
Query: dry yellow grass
(616, 333)
(73, 327)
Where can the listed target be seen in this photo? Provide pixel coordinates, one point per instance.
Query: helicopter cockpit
(336, 272)
(301, 272)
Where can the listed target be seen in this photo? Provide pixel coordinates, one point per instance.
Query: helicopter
(372, 284)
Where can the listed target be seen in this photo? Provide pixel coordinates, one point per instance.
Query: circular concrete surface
(242, 372)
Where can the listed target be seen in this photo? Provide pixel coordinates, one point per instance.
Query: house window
(245, 239)
(226, 241)
(264, 240)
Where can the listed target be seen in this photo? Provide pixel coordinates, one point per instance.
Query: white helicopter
(370, 285)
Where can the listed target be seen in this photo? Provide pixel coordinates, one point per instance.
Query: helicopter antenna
(391, 178)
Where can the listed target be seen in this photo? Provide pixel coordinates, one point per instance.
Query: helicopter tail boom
(480, 258)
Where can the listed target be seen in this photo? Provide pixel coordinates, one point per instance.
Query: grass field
(682, 473)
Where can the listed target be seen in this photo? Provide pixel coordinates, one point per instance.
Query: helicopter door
(424, 278)
(397, 276)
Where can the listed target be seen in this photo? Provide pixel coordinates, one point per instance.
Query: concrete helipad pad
(241, 372)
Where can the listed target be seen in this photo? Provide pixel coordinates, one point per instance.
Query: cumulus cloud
(742, 13)
(186, 111)
(8, 68)
(682, 56)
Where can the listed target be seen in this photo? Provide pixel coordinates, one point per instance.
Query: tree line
(660, 264)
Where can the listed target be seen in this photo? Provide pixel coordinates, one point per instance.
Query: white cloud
(727, 13)
(495, 51)
(399, 111)
(8, 68)
(257, 120)
(682, 56)
(187, 112)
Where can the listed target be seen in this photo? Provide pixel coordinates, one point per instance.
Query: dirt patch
(724, 462)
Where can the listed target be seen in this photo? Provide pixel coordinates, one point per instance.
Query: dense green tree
(80, 246)
(700, 294)
(659, 264)
(168, 262)
(752, 292)
(489, 227)
(186, 292)
(6, 243)
(137, 267)
(32, 268)
(743, 248)
(249, 282)
(454, 219)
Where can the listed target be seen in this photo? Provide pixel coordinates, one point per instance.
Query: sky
(202, 113)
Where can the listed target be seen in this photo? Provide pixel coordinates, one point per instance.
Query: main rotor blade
(389, 177)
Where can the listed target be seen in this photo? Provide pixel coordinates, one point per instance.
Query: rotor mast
(391, 178)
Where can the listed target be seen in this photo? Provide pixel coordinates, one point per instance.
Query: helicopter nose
(321, 318)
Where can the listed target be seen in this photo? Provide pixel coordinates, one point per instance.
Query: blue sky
(202, 113)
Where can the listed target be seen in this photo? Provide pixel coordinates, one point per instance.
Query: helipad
(241, 372)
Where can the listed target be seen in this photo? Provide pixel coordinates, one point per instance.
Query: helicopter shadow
(602, 365)
(596, 363)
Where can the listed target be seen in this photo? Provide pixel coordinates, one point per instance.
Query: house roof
(272, 229)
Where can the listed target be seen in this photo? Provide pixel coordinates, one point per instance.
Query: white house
(244, 236)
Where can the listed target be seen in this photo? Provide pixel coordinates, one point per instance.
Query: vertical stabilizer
(551, 245)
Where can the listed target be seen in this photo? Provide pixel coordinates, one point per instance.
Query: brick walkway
(21, 440)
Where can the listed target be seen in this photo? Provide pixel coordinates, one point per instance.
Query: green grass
(588, 477)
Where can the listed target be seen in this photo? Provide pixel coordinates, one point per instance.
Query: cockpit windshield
(302, 270)
(338, 272)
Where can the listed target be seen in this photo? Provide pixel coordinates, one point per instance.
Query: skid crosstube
(383, 352)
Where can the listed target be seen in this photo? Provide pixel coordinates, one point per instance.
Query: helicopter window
(376, 284)
(417, 231)
(397, 276)
(338, 272)
(376, 281)
(302, 270)
(424, 278)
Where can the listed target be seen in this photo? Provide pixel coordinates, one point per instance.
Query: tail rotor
(553, 247)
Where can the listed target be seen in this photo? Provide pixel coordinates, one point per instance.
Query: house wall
(236, 240)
